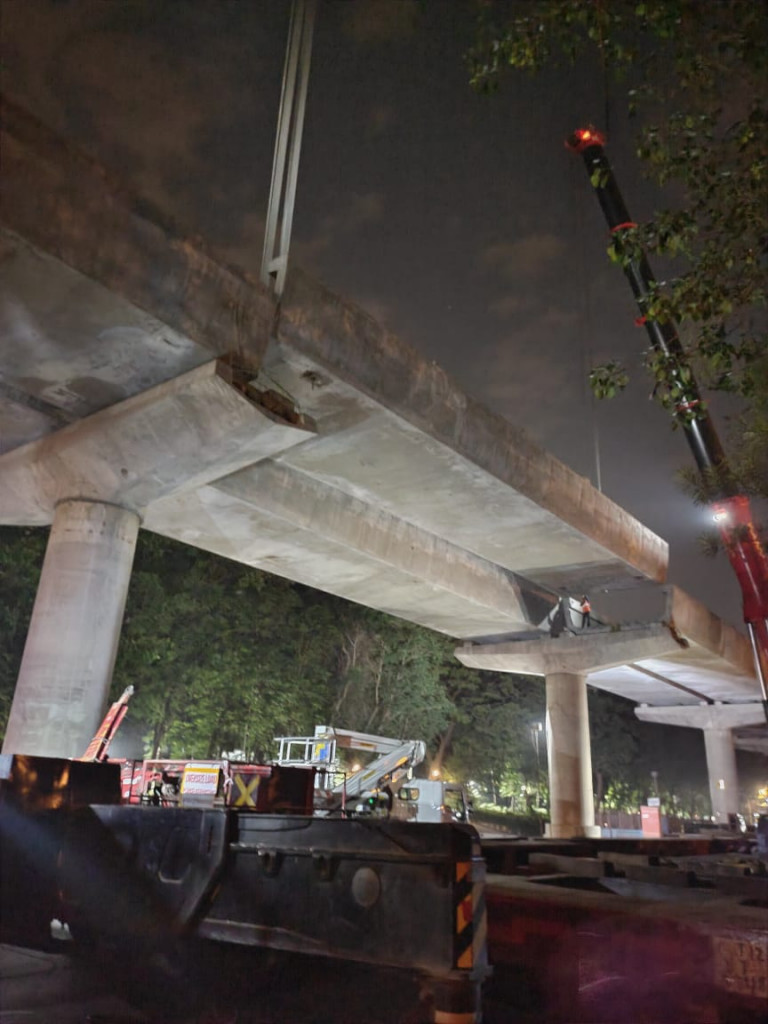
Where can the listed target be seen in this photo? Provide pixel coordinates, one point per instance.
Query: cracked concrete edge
(181, 434)
(693, 622)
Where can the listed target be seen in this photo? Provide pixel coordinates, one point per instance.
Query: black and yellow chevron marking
(246, 787)
(471, 922)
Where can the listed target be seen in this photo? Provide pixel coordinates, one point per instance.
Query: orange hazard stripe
(465, 904)
(471, 918)
(464, 914)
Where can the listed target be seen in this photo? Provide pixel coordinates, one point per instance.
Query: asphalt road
(242, 986)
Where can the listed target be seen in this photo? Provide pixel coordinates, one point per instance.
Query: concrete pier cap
(688, 656)
(687, 669)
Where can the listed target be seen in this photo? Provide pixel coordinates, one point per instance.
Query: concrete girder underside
(288, 523)
(440, 458)
(107, 299)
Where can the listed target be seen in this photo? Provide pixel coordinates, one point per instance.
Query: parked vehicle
(384, 787)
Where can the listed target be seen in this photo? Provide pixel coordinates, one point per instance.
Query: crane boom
(731, 509)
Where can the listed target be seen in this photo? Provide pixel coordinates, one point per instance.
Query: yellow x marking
(246, 797)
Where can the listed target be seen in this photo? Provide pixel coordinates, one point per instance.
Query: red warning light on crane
(582, 138)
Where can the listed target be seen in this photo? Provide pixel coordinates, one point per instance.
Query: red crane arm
(731, 509)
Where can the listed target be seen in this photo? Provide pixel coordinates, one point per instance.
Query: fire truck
(164, 782)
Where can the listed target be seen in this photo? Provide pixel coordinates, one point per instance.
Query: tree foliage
(224, 658)
(693, 75)
(21, 558)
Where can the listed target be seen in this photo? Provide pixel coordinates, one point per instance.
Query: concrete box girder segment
(68, 206)
(288, 523)
(489, 486)
(108, 300)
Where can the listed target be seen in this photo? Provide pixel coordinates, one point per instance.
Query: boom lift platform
(396, 758)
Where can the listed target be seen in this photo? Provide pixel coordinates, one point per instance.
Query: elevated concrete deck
(336, 456)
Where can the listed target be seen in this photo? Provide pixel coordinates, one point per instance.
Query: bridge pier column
(717, 721)
(723, 775)
(569, 757)
(66, 669)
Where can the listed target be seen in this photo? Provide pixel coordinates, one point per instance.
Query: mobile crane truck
(730, 508)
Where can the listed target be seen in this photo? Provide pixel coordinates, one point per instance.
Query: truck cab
(431, 800)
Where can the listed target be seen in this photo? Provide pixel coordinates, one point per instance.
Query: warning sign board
(321, 751)
(200, 779)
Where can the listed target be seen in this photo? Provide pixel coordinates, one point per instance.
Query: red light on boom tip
(582, 138)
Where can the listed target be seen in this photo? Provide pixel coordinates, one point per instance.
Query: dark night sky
(458, 220)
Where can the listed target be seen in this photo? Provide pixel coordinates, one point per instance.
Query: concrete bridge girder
(410, 496)
(288, 523)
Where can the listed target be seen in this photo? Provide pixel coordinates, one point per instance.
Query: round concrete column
(571, 799)
(71, 646)
(723, 776)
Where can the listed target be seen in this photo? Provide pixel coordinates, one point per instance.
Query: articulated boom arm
(99, 745)
(730, 508)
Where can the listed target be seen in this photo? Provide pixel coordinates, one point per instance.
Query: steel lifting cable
(587, 331)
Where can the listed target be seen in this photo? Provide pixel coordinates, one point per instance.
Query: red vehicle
(273, 789)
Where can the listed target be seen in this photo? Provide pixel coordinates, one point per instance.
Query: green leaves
(608, 380)
(693, 76)
(21, 559)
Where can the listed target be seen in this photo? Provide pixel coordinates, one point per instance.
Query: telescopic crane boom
(730, 508)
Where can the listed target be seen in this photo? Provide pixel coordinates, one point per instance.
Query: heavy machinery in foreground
(218, 913)
(731, 508)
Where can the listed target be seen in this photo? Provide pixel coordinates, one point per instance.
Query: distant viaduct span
(144, 384)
